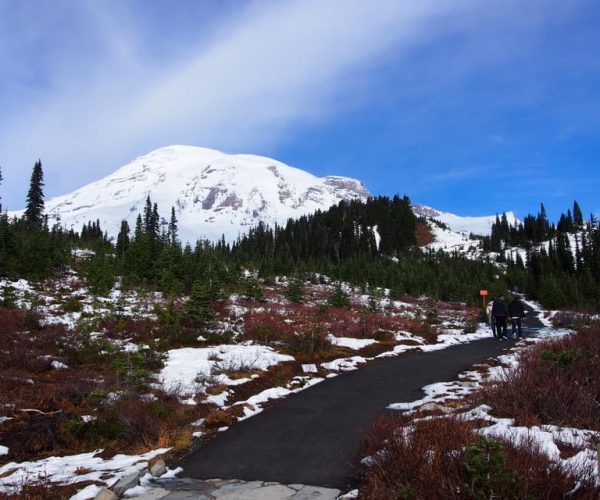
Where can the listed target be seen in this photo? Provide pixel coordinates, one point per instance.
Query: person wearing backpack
(500, 313)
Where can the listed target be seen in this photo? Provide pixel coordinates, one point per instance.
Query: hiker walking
(516, 311)
(490, 316)
(500, 313)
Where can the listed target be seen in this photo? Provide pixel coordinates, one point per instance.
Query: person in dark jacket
(500, 313)
(516, 311)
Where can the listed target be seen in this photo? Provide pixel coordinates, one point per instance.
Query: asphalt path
(313, 437)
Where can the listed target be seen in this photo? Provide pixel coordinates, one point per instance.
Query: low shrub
(574, 319)
(11, 320)
(424, 330)
(71, 305)
(265, 327)
(446, 458)
(133, 421)
(471, 325)
(219, 418)
(311, 340)
(555, 383)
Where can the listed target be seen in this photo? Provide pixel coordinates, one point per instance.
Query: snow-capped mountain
(463, 224)
(213, 193)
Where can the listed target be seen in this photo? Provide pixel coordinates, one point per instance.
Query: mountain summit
(213, 193)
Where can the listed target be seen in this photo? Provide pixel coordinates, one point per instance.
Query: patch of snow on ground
(351, 343)
(344, 364)
(252, 406)
(67, 469)
(185, 368)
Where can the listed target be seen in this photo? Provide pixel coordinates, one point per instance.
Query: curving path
(313, 437)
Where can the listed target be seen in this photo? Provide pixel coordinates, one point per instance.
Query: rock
(123, 484)
(105, 494)
(316, 493)
(237, 488)
(275, 492)
(158, 469)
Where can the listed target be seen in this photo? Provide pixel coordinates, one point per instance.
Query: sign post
(483, 294)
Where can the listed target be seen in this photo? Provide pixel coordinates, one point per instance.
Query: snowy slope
(452, 241)
(213, 193)
(465, 225)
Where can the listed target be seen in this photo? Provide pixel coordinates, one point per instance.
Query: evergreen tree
(577, 216)
(34, 211)
(198, 312)
(294, 291)
(123, 240)
(253, 290)
(148, 216)
(339, 298)
(0, 183)
(172, 232)
(542, 224)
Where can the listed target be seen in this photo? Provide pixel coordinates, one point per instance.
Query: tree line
(369, 244)
(561, 262)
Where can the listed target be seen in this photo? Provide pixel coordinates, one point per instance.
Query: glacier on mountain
(213, 193)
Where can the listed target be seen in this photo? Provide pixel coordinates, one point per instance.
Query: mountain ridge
(213, 193)
(217, 194)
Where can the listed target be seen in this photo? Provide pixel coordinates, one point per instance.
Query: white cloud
(273, 66)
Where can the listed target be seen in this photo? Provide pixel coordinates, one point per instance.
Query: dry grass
(44, 491)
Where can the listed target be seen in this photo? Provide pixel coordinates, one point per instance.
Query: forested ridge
(562, 261)
(369, 244)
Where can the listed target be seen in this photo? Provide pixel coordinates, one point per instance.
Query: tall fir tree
(577, 216)
(0, 183)
(34, 211)
(123, 240)
(172, 233)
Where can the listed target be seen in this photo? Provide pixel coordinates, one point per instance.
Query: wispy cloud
(101, 95)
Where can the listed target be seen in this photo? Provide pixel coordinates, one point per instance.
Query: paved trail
(313, 437)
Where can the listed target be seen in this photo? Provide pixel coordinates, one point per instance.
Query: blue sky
(470, 106)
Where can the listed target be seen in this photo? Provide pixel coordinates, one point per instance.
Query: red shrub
(11, 320)
(265, 326)
(555, 383)
(444, 458)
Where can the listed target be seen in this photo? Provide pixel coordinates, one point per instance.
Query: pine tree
(198, 312)
(148, 216)
(577, 216)
(172, 233)
(123, 240)
(34, 212)
(253, 290)
(339, 298)
(542, 223)
(0, 183)
(294, 291)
